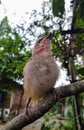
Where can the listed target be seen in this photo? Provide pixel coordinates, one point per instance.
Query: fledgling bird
(41, 71)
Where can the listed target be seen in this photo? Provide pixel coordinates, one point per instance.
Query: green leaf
(58, 7)
(81, 71)
(51, 125)
(81, 9)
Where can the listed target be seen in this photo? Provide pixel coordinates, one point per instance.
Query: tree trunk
(76, 108)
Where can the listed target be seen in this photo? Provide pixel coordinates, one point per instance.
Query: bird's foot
(55, 95)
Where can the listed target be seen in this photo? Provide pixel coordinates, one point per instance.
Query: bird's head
(43, 45)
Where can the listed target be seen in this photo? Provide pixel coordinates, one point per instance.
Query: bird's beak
(49, 36)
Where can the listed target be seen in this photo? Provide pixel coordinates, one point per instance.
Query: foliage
(50, 126)
(13, 53)
(69, 125)
(60, 10)
(79, 9)
(52, 120)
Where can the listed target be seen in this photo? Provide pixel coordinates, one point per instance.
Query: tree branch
(73, 31)
(44, 106)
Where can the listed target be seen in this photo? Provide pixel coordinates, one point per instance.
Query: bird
(41, 71)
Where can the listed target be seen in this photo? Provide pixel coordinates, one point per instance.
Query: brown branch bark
(44, 106)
